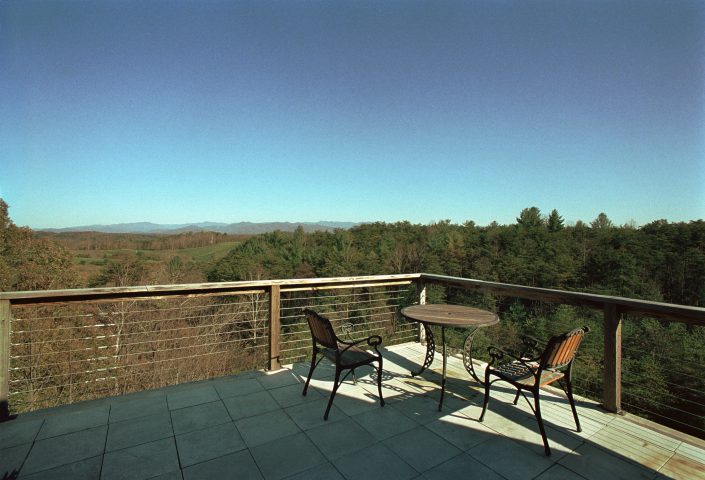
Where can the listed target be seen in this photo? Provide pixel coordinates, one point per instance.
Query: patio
(258, 425)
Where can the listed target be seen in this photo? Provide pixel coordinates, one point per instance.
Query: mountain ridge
(220, 227)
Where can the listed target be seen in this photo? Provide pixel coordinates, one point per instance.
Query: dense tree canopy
(659, 261)
(28, 262)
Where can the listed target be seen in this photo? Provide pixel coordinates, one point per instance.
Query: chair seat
(553, 364)
(519, 373)
(345, 355)
(351, 356)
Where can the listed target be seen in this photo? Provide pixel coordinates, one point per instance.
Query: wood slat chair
(346, 355)
(528, 372)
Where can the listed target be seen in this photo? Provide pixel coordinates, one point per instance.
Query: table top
(450, 315)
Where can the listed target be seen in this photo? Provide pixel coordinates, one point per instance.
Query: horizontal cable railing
(69, 345)
(662, 374)
(59, 347)
(354, 312)
(63, 353)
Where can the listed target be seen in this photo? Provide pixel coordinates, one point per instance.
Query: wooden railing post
(5, 313)
(612, 380)
(421, 289)
(274, 328)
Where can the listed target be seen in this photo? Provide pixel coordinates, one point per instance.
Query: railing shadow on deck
(458, 423)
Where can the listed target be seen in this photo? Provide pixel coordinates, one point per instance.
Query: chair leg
(487, 396)
(354, 377)
(310, 372)
(537, 411)
(379, 383)
(336, 384)
(516, 399)
(569, 394)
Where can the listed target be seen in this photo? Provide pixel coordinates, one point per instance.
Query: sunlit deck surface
(258, 425)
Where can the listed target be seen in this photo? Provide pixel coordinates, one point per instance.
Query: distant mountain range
(242, 228)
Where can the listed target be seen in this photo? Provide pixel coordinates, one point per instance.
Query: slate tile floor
(258, 425)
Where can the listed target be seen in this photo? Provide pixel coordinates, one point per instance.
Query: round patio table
(443, 316)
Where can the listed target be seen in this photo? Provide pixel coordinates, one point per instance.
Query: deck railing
(62, 344)
(69, 345)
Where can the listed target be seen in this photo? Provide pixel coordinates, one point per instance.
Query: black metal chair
(530, 372)
(346, 355)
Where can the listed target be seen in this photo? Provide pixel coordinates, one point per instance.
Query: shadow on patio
(258, 425)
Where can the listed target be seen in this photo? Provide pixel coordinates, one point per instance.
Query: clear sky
(187, 111)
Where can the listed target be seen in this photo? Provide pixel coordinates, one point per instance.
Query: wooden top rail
(670, 311)
(216, 288)
(681, 313)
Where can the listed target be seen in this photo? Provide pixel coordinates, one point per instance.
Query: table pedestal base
(430, 353)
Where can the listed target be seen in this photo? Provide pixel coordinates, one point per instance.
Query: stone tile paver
(262, 427)
(266, 427)
(376, 461)
(421, 448)
(88, 469)
(250, 405)
(143, 461)
(65, 449)
(210, 443)
(199, 416)
(136, 431)
(238, 465)
(295, 454)
(192, 396)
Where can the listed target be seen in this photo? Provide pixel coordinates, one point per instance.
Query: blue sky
(176, 111)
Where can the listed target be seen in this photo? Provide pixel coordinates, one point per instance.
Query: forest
(660, 261)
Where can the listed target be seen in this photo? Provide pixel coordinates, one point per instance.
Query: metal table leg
(430, 351)
(443, 381)
(467, 356)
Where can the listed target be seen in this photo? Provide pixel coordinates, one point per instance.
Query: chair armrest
(531, 347)
(498, 354)
(530, 341)
(348, 328)
(373, 341)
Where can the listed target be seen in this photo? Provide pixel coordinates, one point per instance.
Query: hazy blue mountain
(234, 228)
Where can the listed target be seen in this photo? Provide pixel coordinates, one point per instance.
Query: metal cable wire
(661, 404)
(669, 394)
(286, 297)
(374, 307)
(120, 376)
(168, 319)
(661, 358)
(100, 337)
(670, 419)
(130, 354)
(116, 367)
(161, 309)
(123, 345)
(336, 302)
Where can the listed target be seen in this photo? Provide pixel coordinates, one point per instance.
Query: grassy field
(88, 263)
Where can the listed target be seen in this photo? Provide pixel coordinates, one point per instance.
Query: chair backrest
(321, 329)
(561, 349)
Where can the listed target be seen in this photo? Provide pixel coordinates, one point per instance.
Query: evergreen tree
(530, 218)
(601, 222)
(555, 221)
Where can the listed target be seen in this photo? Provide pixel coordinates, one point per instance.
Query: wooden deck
(260, 426)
